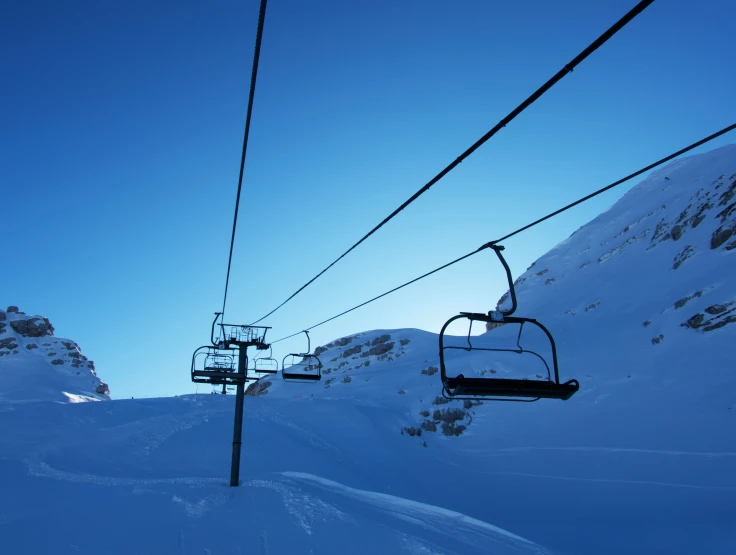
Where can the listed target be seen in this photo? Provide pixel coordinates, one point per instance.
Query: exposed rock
(413, 431)
(381, 339)
(319, 350)
(3, 316)
(430, 371)
(404, 342)
(2, 327)
(657, 340)
(695, 321)
(468, 404)
(541, 273)
(32, 327)
(716, 309)
(31, 346)
(592, 306)
(379, 349)
(424, 413)
(646, 324)
(347, 379)
(676, 232)
(103, 389)
(682, 256)
(352, 351)
(440, 401)
(449, 416)
(401, 392)
(659, 230)
(548, 281)
(258, 388)
(428, 426)
(57, 361)
(719, 324)
(8, 343)
(720, 236)
(341, 342)
(12, 309)
(450, 430)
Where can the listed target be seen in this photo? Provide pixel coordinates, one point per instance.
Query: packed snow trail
(151, 477)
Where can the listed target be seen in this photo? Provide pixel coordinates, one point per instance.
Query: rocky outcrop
(258, 388)
(8, 343)
(32, 327)
(712, 318)
(18, 330)
(379, 349)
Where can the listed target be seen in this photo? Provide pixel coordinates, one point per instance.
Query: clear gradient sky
(121, 128)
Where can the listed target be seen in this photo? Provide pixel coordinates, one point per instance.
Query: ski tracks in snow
(303, 509)
(458, 526)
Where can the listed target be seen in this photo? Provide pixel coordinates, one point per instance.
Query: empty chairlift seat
(302, 367)
(264, 365)
(500, 356)
(215, 366)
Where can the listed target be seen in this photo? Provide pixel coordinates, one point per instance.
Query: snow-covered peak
(667, 246)
(37, 366)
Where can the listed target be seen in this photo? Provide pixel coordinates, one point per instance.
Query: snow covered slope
(36, 366)
(373, 460)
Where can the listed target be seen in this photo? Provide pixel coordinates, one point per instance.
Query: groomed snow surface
(370, 460)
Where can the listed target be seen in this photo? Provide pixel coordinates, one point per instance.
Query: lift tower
(225, 362)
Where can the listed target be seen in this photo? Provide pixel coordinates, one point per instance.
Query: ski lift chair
(215, 366)
(503, 389)
(308, 369)
(265, 365)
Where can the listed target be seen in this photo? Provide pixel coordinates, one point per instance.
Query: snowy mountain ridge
(37, 366)
(671, 233)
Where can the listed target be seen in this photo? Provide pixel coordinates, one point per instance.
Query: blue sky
(121, 132)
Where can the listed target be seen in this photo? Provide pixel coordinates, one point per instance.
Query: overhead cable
(524, 228)
(636, 10)
(253, 75)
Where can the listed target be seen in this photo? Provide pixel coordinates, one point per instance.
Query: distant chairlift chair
(503, 389)
(265, 365)
(302, 367)
(215, 366)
